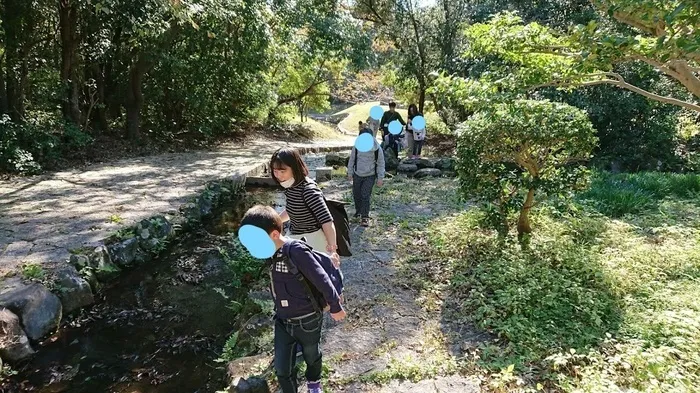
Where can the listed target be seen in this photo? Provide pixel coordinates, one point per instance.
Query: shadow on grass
(518, 306)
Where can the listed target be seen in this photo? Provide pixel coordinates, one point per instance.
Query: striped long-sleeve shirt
(306, 208)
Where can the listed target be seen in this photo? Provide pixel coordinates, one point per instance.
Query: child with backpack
(364, 169)
(303, 283)
(418, 141)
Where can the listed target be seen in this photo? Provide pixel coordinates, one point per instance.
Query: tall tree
(661, 35)
(68, 24)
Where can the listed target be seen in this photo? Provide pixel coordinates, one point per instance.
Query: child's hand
(339, 316)
(380, 183)
(350, 179)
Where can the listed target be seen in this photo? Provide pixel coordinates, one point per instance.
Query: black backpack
(342, 226)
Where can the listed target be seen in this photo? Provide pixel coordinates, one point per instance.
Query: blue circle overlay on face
(364, 142)
(395, 127)
(418, 123)
(376, 112)
(256, 241)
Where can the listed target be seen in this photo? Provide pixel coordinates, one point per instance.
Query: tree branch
(619, 81)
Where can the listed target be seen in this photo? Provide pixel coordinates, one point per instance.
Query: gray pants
(362, 193)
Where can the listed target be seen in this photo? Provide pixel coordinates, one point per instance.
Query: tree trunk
(421, 97)
(12, 24)
(3, 89)
(69, 42)
(101, 109)
(134, 96)
(524, 226)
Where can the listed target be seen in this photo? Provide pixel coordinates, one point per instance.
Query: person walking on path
(391, 140)
(412, 112)
(294, 270)
(306, 208)
(364, 169)
(373, 125)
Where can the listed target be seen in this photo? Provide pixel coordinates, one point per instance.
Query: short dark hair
(360, 122)
(264, 217)
(291, 158)
(392, 104)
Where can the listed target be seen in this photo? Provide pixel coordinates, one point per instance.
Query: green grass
(33, 271)
(621, 194)
(360, 112)
(314, 129)
(596, 304)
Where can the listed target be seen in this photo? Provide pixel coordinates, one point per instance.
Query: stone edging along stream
(30, 311)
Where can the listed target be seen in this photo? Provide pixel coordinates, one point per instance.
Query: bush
(29, 147)
(508, 152)
(24, 146)
(435, 125)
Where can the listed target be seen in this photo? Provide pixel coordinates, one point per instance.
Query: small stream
(159, 328)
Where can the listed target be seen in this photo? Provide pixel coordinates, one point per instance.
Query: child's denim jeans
(288, 332)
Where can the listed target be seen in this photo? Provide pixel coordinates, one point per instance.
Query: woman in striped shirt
(305, 208)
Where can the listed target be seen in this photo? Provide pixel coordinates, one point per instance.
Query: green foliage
(635, 133)
(528, 145)
(33, 271)
(25, 147)
(244, 268)
(435, 125)
(621, 194)
(593, 305)
(533, 56)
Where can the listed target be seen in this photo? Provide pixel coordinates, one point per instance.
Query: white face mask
(287, 183)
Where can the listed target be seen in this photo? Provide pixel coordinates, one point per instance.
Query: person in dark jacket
(391, 140)
(296, 321)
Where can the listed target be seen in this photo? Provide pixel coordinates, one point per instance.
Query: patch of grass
(595, 304)
(621, 194)
(360, 112)
(115, 219)
(316, 129)
(33, 271)
(412, 369)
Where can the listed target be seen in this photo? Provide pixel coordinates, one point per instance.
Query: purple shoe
(314, 387)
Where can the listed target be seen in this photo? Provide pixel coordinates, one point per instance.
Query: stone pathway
(388, 336)
(42, 218)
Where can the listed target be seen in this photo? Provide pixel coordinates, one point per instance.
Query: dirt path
(390, 341)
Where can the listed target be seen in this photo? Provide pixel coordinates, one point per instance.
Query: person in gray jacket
(364, 169)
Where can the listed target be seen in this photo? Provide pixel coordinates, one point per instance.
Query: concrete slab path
(43, 217)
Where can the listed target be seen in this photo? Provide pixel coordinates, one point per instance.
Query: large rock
(445, 164)
(250, 385)
(337, 159)
(79, 261)
(427, 172)
(391, 162)
(39, 310)
(407, 168)
(101, 261)
(157, 226)
(419, 162)
(324, 174)
(14, 344)
(73, 290)
(126, 253)
(242, 371)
